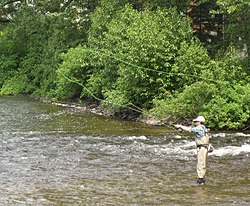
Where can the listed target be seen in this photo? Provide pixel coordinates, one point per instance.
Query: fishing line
(139, 110)
(113, 56)
(76, 81)
(109, 54)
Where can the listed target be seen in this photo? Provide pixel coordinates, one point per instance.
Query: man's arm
(185, 128)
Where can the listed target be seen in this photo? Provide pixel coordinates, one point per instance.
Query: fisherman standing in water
(202, 143)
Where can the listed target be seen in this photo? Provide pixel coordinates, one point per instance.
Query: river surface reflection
(52, 155)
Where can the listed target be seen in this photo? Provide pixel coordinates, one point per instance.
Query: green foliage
(186, 104)
(237, 27)
(227, 67)
(36, 38)
(230, 108)
(73, 68)
(7, 67)
(190, 63)
(150, 59)
(18, 84)
(144, 46)
(222, 105)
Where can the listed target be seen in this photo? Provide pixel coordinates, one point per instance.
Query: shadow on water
(52, 155)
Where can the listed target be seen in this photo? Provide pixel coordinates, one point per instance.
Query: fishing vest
(203, 140)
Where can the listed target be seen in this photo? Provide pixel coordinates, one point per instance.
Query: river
(54, 155)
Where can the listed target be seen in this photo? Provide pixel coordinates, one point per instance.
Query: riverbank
(95, 108)
(129, 115)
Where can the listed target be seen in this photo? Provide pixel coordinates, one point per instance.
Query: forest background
(168, 60)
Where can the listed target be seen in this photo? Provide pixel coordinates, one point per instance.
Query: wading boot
(201, 181)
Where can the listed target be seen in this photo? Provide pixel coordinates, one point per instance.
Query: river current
(54, 155)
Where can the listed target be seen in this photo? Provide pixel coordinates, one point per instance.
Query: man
(202, 143)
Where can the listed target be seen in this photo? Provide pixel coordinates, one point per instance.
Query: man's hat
(199, 119)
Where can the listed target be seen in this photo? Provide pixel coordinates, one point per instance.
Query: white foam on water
(137, 138)
(231, 150)
(187, 144)
(242, 134)
(188, 148)
(180, 149)
(222, 135)
(177, 137)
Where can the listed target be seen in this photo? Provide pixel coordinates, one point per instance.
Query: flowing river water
(54, 155)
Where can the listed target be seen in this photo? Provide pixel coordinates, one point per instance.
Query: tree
(237, 27)
(37, 33)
